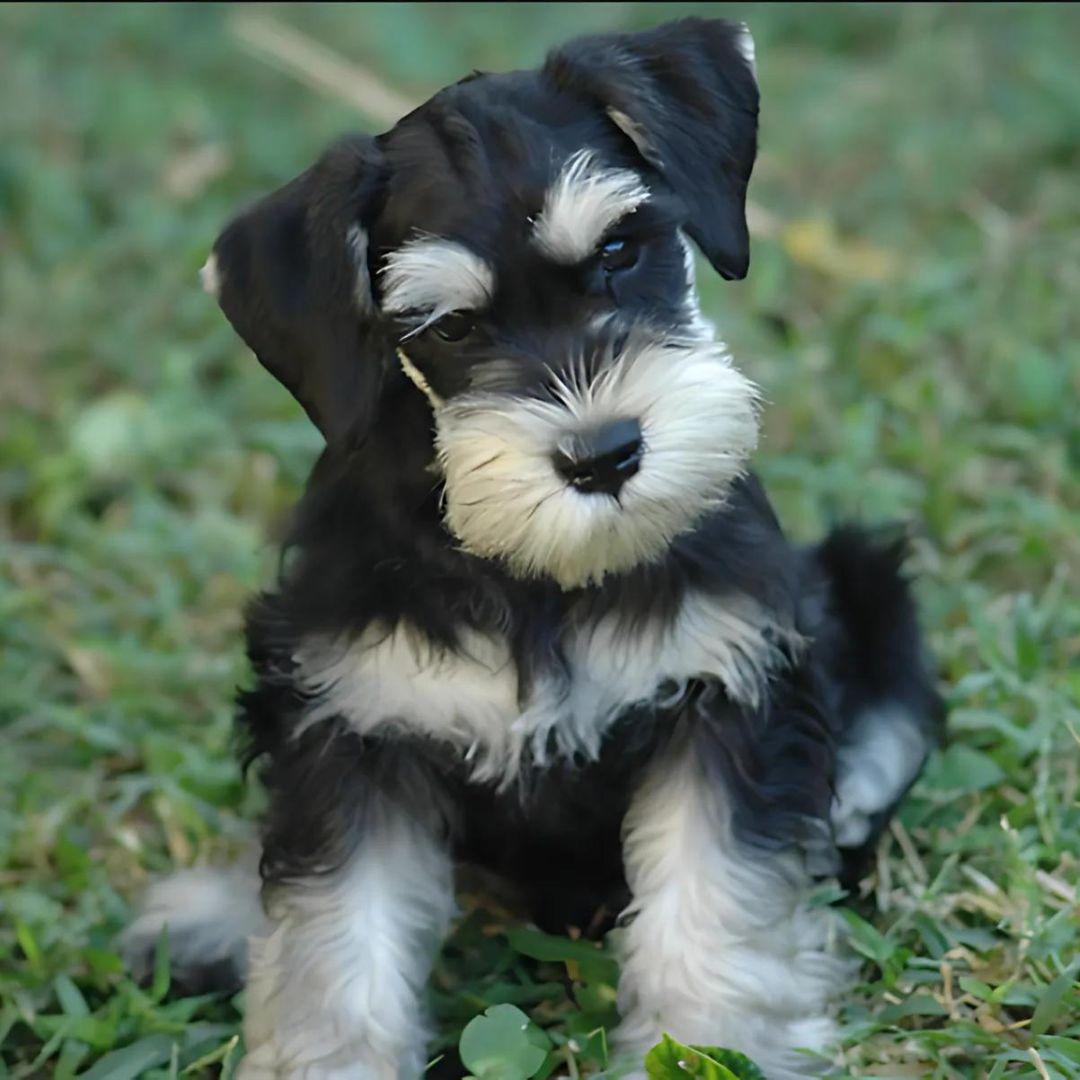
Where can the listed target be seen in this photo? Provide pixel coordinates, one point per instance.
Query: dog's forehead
(475, 163)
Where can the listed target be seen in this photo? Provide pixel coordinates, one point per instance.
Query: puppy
(536, 612)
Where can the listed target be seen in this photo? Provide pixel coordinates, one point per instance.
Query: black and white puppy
(536, 612)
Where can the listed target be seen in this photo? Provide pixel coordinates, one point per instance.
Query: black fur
(368, 543)
(556, 835)
(869, 642)
(695, 120)
(474, 163)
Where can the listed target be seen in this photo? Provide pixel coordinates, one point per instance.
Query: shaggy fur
(535, 612)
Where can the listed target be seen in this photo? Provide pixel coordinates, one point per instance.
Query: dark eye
(456, 326)
(618, 255)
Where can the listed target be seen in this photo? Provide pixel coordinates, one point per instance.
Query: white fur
(210, 276)
(418, 379)
(744, 42)
(210, 913)
(393, 679)
(637, 134)
(721, 948)
(396, 679)
(335, 987)
(698, 323)
(728, 638)
(433, 277)
(582, 204)
(875, 765)
(504, 499)
(356, 240)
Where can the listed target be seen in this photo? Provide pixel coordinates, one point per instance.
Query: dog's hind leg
(721, 947)
(891, 714)
(209, 915)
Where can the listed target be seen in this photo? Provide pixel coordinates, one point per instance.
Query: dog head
(519, 247)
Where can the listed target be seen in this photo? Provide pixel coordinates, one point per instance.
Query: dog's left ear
(291, 274)
(686, 95)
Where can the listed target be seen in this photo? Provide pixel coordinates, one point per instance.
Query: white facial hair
(504, 499)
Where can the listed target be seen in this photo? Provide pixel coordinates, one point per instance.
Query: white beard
(504, 499)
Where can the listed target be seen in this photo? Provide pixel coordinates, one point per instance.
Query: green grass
(912, 314)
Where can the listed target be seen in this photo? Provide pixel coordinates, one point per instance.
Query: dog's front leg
(335, 986)
(720, 949)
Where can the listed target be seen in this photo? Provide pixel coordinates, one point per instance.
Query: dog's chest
(388, 681)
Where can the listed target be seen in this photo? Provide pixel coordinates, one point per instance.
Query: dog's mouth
(600, 472)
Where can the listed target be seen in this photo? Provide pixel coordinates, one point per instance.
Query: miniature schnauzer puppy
(535, 612)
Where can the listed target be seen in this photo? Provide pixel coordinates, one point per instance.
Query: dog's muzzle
(600, 468)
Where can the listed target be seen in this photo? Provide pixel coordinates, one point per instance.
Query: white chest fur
(395, 679)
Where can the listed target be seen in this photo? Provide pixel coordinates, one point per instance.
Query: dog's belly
(556, 836)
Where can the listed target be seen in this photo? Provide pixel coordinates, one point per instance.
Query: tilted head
(519, 247)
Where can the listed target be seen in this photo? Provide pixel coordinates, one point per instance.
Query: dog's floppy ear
(291, 274)
(686, 95)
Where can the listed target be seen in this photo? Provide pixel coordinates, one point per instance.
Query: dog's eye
(456, 326)
(618, 255)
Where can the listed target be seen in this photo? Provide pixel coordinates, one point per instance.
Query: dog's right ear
(291, 274)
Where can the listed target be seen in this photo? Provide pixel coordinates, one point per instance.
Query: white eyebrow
(582, 204)
(434, 277)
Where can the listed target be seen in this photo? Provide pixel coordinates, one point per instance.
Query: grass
(911, 313)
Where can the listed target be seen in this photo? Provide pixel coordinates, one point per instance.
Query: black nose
(600, 461)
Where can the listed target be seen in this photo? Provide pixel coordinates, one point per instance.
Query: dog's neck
(370, 542)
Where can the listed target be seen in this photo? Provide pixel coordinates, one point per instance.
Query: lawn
(912, 313)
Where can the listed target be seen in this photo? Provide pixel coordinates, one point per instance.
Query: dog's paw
(265, 1062)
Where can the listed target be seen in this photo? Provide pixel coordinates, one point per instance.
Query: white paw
(267, 1062)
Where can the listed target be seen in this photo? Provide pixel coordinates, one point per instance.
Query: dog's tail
(209, 915)
(891, 712)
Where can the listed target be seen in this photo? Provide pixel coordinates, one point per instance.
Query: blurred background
(911, 312)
